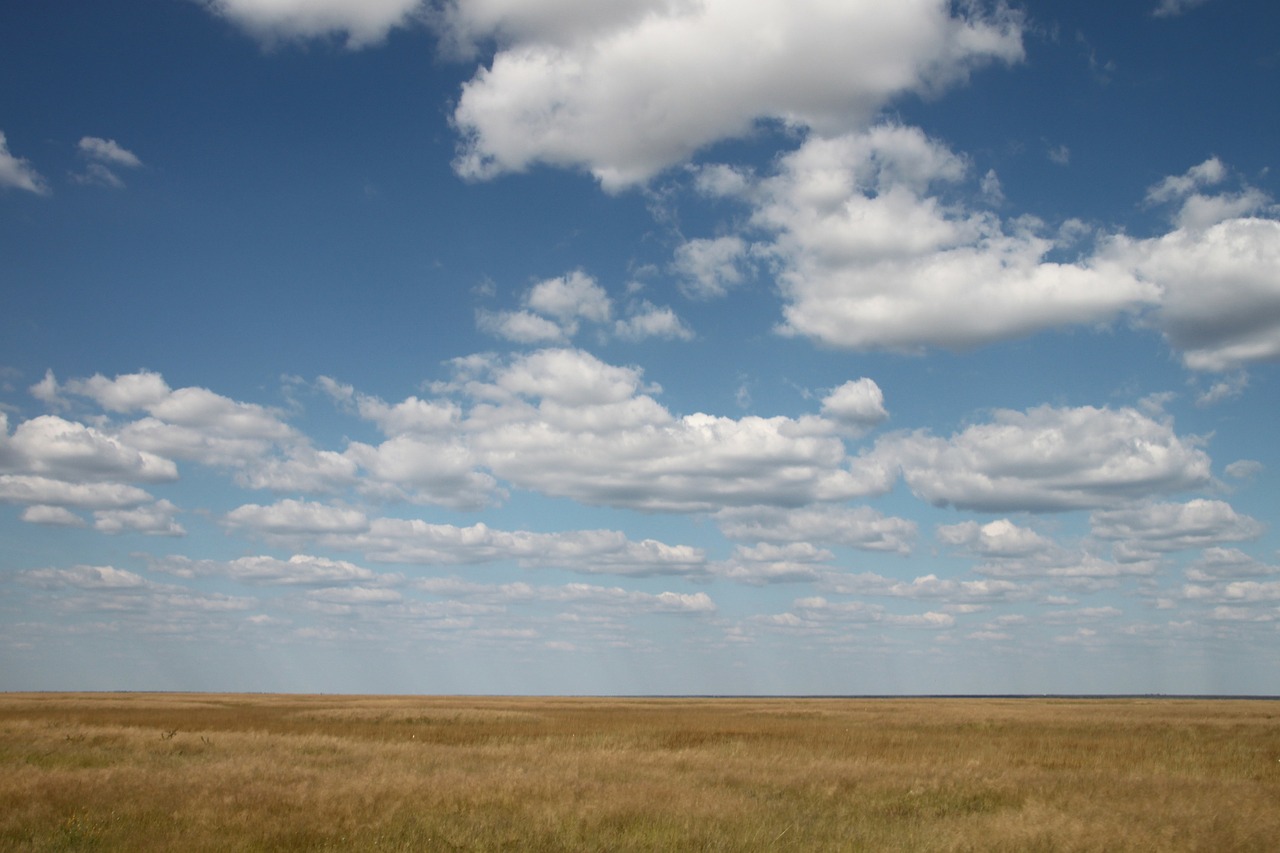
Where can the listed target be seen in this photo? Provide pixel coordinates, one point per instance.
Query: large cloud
(50, 446)
(869, 256)
(1048, 459)
(1147, 530)
(564, 423)
(1221, 293)
(185, 423)
(576, 85)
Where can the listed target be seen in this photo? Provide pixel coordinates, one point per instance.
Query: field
(254, 772)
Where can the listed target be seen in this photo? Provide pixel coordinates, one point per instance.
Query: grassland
(198, 772)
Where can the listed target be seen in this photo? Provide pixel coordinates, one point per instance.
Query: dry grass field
(254, 772)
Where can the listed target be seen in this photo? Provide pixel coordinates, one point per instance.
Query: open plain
(290, 772)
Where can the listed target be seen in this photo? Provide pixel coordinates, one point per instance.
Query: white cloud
(303, 469)
(995, 539)
(363, 22)
(51, 446)
(1226, 389)
(860, 527)
(1198, 211)
(187, 423)
(27, 489)
(709, 268)
(924, 587)
(570, 297)
(415, 541)
(423, 469)
(564, 423)
(1221, 298)
(576, 594)
(108, 151)
(86, 577)
(1048, 459)
(356, 595)
(104, 155)
(126, 393)
(298, 570)
(1228, 564)
(157, 519)
(1175, 187)
(646, 320)
(867, 259)
(292, 517)
(18, 173)
(554, 308)
(765, 563)
(52, 515)
(857, 405)
(575, 85)
(1244, 469)
(1144, 531)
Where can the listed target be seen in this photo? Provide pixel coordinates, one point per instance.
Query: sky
(642, 347)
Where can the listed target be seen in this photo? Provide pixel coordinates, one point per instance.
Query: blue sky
(645, 347)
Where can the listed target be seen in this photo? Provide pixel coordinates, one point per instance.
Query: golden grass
(250, 772)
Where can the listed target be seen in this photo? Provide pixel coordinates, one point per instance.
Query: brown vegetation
(231, 772)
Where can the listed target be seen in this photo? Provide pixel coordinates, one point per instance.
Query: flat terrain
(255, 772)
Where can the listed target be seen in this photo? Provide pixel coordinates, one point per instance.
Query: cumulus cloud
(298, 570)
(1217, 564)
(27, 489)
(415, 541)
(52, 515)
(958, 593)
(857, 405)
(1196, 210)
(575, 85)
(157, 519)
(53, 447)
(765, 563)
(189, 423)
(85, 577)
(1244, 469)
(1145, 531)
(571, 297)
(362, 22)
(817, 612)
(1048, 459)
(1007, 550)
(868, 258)
(1220, 304)
(861, 527)
(709, 268)
(420, 469)
(18, 173)
(564, 423)
(995, 539)
(292, 517)
(553, 311)
(646, 320)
